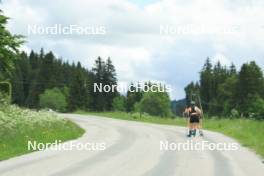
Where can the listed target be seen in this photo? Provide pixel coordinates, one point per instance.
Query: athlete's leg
(195, 126)
(190, 128)
(200, 127)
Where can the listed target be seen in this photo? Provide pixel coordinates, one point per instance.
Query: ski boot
(193, 133)
(201, 133)
(190, 133)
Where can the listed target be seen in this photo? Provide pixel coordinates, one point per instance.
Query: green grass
(249, 133)
(18, 126)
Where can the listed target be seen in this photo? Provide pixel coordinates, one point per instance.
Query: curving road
(133, 148)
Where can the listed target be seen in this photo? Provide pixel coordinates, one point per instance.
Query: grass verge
(246, 131)
(18, 126)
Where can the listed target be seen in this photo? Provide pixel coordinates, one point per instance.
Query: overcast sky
(134, 36)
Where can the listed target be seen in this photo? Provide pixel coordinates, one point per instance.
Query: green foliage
(119, 103)
(256, 109)
(250, 85)
(138, 107)
(222, 90)
(227, 92)
(105, 74)
(9, 44)
(18, 96)
(37, 72)
(78, 93)
(206, 83)
(53, 99)
(134, 95)
(6, 91)
(155, 103)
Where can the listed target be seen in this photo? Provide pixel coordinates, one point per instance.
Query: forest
(40, 80)
(226, 91)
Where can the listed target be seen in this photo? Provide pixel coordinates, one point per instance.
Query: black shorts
(194, 119)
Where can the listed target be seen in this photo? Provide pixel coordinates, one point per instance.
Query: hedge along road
(134, 148)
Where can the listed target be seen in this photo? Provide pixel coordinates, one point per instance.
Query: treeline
(41, 80)
(228, 91)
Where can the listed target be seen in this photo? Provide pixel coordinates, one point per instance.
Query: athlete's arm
(198, 111)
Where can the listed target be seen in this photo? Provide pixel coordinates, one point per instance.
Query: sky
(159, 40)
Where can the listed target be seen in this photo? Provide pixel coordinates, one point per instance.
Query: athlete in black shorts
(194, 114)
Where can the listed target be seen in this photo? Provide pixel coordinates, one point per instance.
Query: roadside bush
(53, 99)
(119, 103)
(155, 103)
(256, 109)
(137, 107)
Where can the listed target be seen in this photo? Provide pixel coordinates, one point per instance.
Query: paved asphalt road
(133, 148)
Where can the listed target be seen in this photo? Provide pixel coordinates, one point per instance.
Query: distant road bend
(133, 149)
